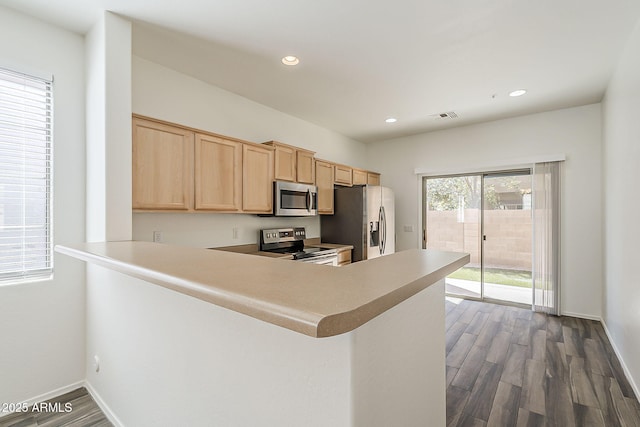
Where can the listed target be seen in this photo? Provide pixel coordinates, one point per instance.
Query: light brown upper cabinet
(363, 177)
(284, 161)
(176, 168)
(218, 174)
(373, 178)
(359, 177)
(343, 175)
(257, 178)
(292, 163)
(305, 167)
(324, 182)
(162, 164)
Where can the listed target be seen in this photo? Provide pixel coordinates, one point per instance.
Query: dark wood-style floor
(84, 413)
(508, 366)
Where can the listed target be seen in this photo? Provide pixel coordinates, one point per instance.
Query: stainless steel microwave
(293, 199)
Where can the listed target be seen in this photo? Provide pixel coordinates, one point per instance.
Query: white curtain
(546, 237)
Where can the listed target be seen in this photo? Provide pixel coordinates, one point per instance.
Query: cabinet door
(324, 182)
(343, 175)
(162, 165)
(285, 163)
(218, 173)
(306, 169)
(344, 257)
(257, 179)
(373, 178)
(359, 177)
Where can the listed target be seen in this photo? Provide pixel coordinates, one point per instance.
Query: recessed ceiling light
(290, 60)
(518, 92)
(391, 120)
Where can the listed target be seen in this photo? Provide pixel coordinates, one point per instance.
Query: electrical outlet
(408, 228)
(96, 363)
(157, 236)
(234, 232)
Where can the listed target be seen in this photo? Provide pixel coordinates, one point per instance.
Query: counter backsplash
(211, 230)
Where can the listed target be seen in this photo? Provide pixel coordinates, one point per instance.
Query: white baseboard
(103, 406)
(581, 316)
(49, 395)
(627, 373)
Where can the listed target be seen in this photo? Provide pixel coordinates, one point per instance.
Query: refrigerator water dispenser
(374, 234)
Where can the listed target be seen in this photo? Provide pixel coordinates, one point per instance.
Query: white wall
(108, 71)
(575, 132)
(95, 75)
(208, 230)
(108, 65)
(42, 324)
(622, 207)
(166, 94)
(399, 378)
(167, 359)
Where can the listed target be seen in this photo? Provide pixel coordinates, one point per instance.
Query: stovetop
(290, 241)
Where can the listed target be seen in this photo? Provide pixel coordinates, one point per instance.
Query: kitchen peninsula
(381, 361)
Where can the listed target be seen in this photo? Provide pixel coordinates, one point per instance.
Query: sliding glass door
(507, 237)
(488, 216)
(452, 217)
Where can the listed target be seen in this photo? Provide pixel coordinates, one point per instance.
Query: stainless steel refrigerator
(363, 217)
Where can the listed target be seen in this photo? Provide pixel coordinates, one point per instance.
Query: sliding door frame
(482, 175)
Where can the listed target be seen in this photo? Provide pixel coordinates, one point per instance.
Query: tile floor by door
(508, 366)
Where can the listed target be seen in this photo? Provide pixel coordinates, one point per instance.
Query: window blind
(25, 177)
(546, 237)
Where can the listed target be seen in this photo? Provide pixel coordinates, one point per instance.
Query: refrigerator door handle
(381, 230)
(384, 230)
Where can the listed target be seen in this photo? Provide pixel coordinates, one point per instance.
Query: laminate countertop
(315, 300)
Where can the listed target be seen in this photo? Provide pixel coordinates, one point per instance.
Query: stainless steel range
(291, 241)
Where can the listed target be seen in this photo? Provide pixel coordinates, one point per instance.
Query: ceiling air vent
(448, 115)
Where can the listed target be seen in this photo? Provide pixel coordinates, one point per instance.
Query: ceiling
(362, 61)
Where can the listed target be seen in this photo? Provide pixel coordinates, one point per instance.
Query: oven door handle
(321, 259)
